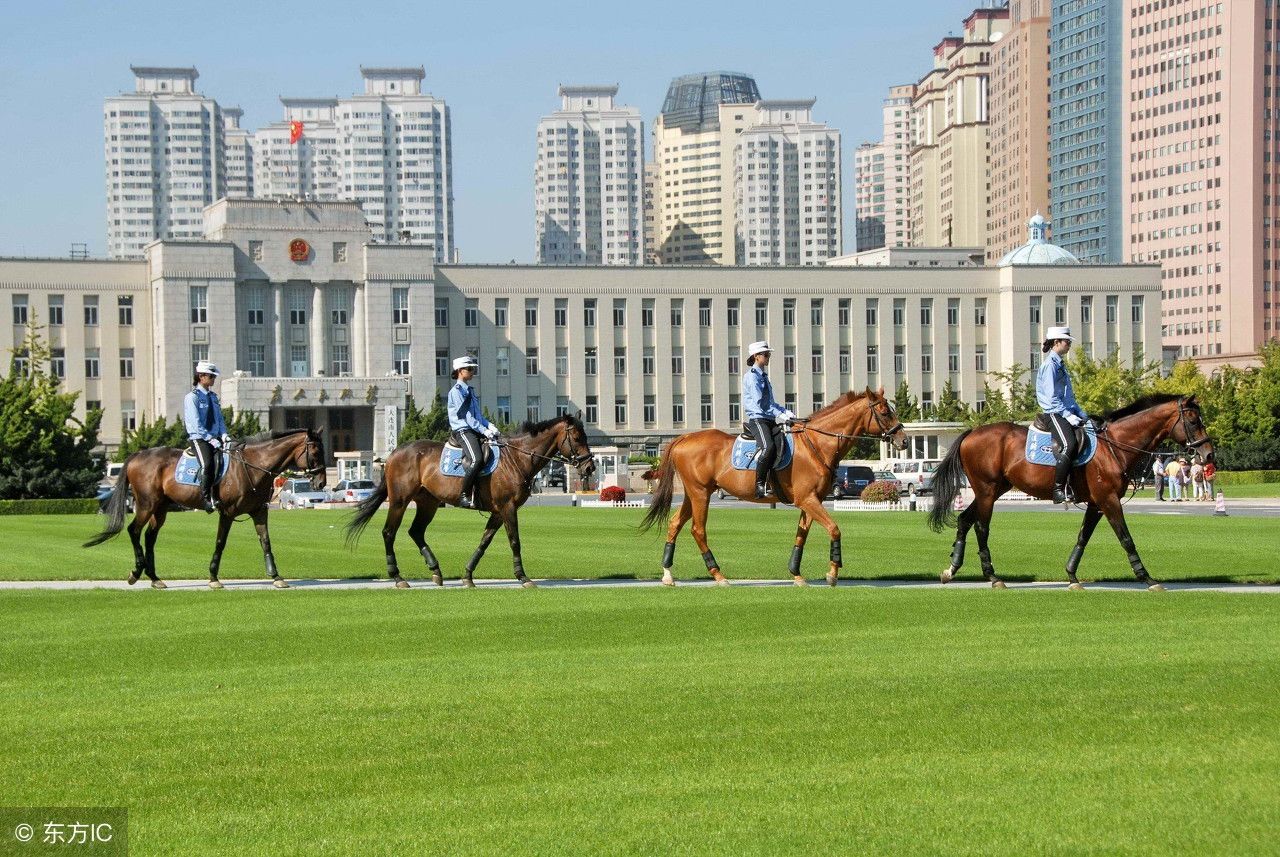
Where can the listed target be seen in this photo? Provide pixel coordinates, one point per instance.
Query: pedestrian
(1157, 473)
(1172, 473)
(1210, 471)
(1197, 479)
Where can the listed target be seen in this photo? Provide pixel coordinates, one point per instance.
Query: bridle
(577, 459)
(1193, 446)
(314, 468)
(885, 433)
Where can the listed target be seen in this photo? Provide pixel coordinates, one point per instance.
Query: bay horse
(993, 459)
(702, 459)
(245, 490)
(412, 473)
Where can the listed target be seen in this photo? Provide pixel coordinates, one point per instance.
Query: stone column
(359, 365)
(319, 359)
(277, 292)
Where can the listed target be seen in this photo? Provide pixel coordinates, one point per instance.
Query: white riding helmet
(467, 362)
(204, 367)
(761, 347)
(1058, 333)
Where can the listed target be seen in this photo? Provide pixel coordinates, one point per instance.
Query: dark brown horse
(993, 459)
(702, 459)
(245, 490)
(412, 474)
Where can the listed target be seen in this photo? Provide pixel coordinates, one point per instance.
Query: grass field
(564, 542)
(695, 721)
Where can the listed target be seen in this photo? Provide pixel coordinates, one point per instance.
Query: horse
(993, 459)
(245, 490)
(702, 459)
(412, 473)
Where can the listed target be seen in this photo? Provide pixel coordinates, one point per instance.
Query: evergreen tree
(45, 451)
(151, 434)
(950, 409)
(905, 404)
(243, 425)
(432, 424)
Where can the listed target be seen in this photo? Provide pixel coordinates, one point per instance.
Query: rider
(764, 417)
(1061, 410)
(202, 414)
(467, 424)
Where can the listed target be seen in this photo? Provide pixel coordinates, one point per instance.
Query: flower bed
(880, 492)
(613, 494)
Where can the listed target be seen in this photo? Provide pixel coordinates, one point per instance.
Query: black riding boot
(762, 480)
(1061, 478)
(466, 499)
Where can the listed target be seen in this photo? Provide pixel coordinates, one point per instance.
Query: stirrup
(464, 502)
(762, 490)
(1062, 494)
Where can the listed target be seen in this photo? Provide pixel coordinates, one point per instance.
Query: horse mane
(1141, 404)
(273, 434)
(531, 428)
(846, 398)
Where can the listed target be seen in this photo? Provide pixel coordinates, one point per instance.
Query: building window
(198, 353)
(399, 306)
(735, 362)
(733, 312)
(504, 409)
(677, 361)
(677, 410)
(258, 360)
(706, 409)
(55, 310)
(1035, 311)
(789, 361)
(620, 360)
(533, 409)
(531, 312)
(400, 360)
(591, 414)
(91, 405)
(926, 312)
(255, 301)
(442, 312)
(471, 313)
(58, 362)
(199, 300)
(340, 360)
(562, 405)
(953, 358)
(91, 310)
(817, 361)
(561, 313)
(591, 366)
(128, 415)
(647, 362)
(843, 312)
(926, 359)
(443, 366)
(339, 251)
(500, 312)
(980, 312)
(297, 306)
(926, 403)
(1135, 309)
(589, 312)
(899, 312)
(126, 363)
(531, 361)
(953, 312)
(620, 410)
(704, 361)
(91, 367)
(815, 311)
(1060, 310)
(1113, 308)
(735, 407)
(1086, 314)
(340, 300)
(789, 312)
(124, 308)
(502, 362)
(899, 359)
(620, 312)
(873, 359)
(255, 251)
(762, 312)
(677, 312)
(980, 358)
(21, 361)
(845, 361)
(650, 410)
(300, 362)
(704, 312)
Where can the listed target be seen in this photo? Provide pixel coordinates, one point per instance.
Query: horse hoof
(833, 578)
(528, 584)
(279, 583)
(948, 575)
(159, 584)
(468, 584)
(667, 578)
(720, 581)
(998, 584)
(437, 579)
(401, 583)
(799, 580)
(1156, 587)
(216, 584)
(133, 578)
(1076, 587)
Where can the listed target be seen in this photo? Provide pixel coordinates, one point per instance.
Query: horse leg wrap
(1073, 561)
(794, 565)
(668, 554)
(475, 560)
(271, 565)
(957, 554)
(710, 559)
(432, 562)
(836, 558)
(519, 568)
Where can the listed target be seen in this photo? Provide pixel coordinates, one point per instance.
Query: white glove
(791, 415)
(226, 439)
(780, 419)
(1073, 418)
(491, 432)
(215, 443)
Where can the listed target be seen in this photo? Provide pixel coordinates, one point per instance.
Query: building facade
(1200, 152)
(1019, 125)
(1087, 85)
(589, 181)
(869, 195)
(882, 177)
(239, 154)
(165, 154)
(309, 167)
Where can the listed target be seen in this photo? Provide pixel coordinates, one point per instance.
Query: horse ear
(881, 392)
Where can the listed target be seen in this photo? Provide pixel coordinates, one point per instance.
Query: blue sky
(496, 64)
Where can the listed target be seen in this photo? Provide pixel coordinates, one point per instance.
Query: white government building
(316, 325)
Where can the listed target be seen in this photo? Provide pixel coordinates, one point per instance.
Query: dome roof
(1038, 250)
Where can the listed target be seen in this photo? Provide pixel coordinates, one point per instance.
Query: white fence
(613, 504)
(921, 504)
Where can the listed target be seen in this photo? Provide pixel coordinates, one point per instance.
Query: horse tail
(947, 483)
(117, 505)
(365, 510)
(665, 473)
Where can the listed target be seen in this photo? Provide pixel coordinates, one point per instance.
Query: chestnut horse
(245, 490)
(412, 473)
(702, 459)
(993, 459)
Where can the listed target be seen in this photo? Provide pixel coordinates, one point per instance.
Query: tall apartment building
(693, 146)
(1200, 152)
(1086, 122)
(589, 181)
(1019, 126)
(650, 213)
(882, 198)
(239, 154)
(786, 179)
(165, 159)
(310, 167)
(950, 164)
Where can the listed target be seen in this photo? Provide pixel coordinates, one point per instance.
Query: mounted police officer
(467, 424)
(1061, 410)
(202, 415)
(763, 417)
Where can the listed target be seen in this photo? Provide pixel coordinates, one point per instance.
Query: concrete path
(330, 585)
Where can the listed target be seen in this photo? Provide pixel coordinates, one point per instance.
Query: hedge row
(77, 506)
(1246, 477)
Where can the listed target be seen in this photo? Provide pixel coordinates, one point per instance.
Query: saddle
(189, 472)
(453, 463)
(745, 451)
(1041, 443)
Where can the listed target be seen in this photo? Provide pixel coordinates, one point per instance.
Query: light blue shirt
(464, 409)
(1053, 388)
(757, 395)
(202, 415)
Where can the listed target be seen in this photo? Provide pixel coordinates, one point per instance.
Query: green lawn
(565, 542)
(694, 721)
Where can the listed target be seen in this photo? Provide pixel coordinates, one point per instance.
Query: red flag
(295, 131)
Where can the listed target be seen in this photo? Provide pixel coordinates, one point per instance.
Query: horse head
(308, 458)
(573, 447)
(884, 421)
(1190, 429)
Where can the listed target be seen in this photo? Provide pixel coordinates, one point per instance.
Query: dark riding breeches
(210, 461)
(768, 436)
(472, 457)
(1065, 447)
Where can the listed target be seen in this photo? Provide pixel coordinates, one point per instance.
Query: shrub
(613, 494)
(74, 506)
(879, 492)
(1254, 453)
(1247, 477)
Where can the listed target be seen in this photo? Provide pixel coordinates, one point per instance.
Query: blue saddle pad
(1040, 446)
(187, 470)
(744, 453)
(451, 460)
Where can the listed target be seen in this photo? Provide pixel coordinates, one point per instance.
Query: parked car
(352, 490)
(104, 494)
(849, 481)
(553, 476)
(915, 475)
(298, 494)
(885, 476)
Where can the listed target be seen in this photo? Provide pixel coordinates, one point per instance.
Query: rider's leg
(1065, 455)
(208, 470)
(475, 455)
(768, 450)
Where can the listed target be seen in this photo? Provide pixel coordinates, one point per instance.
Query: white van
(114, 469)
(915, 475)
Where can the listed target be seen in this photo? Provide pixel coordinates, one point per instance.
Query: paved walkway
(330, 585)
